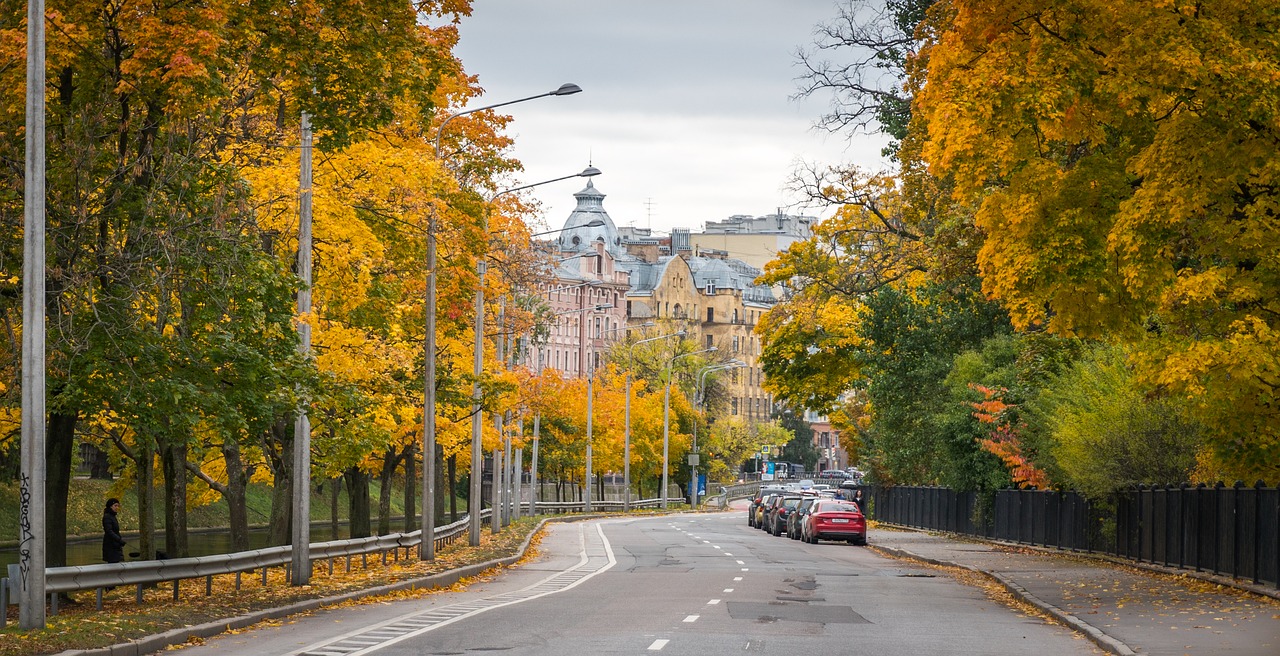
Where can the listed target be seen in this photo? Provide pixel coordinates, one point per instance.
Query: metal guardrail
(144, 573)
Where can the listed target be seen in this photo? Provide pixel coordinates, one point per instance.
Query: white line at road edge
(581, 561)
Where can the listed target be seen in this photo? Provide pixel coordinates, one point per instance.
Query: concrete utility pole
(301, 566)
(31, 522)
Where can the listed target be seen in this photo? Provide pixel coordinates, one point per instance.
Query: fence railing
(146, 573)
(1231, 531)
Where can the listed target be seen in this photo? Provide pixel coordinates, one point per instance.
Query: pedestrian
(112, 543)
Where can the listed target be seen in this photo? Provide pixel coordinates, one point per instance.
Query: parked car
(778, 511)
(797, 516)
(835, 520)
(752, 510)
(762, 511)
(834, 473)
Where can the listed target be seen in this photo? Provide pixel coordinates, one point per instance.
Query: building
(753, 240)
(825, 438)
(711, 295)
(587, 297)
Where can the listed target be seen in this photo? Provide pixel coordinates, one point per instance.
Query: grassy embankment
(84, 508)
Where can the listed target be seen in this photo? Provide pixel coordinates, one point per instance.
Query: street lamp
(666, 419)
(427, 548)
(698, 400)
(478, 356)
(626, 435)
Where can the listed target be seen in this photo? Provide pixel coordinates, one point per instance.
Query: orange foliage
(1004, 441)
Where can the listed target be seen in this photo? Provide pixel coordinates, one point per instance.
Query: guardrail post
(53, 604)
(175, 589)
(237, 580)
(4, 602)
(97, 606)
(348, 563)
(208, 586)
(264, 576)
(138, 595)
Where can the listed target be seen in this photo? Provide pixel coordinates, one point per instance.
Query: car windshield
(838, 506)
(791, 502)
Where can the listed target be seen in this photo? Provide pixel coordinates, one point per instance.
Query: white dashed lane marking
(691, 618)
(658, 645)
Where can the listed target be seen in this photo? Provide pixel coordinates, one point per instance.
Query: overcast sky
(686, 107)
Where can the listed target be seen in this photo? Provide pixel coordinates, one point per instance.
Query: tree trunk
(279, 450)
(173, 459)
(59, 440)
(99, 463)
(453, 488)
(237, 495)
(410, 490)
(389, 462)
(146, 500)
(358, 502)
(336, 484)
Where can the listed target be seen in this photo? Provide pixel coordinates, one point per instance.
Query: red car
(833, 519)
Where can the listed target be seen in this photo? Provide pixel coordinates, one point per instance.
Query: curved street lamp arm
(563, 90)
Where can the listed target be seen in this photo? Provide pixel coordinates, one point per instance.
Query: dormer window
(711, 288)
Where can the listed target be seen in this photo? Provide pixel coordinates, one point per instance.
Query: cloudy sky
(686, 106)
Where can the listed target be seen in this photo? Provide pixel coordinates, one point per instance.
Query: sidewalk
(1124, 609)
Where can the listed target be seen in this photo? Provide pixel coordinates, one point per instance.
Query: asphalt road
(679, 584)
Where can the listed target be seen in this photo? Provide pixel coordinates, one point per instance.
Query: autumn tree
(1122, 160)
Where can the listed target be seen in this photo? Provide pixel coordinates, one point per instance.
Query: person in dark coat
(112, 543)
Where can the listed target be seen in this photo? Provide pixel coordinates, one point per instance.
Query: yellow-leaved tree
(1123, 157)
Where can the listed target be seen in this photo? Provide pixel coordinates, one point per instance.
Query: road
(677, 584)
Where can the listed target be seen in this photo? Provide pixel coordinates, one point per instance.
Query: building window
(710, 342)
(711, 315)
(735, 405)
(735, 343)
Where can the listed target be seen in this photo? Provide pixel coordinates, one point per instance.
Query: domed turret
(589, 224)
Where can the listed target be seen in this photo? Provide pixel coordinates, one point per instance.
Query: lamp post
(666, 420)
(31, 520)
(478, 357)
(426, 549)
(626, 431)
(698, 401)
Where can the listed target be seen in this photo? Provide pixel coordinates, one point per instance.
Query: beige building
(754, 240)
(711, 294)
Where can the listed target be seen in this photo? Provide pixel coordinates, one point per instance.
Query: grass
(87, 496)
(80, 626)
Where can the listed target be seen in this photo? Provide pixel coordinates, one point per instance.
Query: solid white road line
(581, 562)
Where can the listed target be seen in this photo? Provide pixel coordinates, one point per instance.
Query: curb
(160, 641)
(1097, 636)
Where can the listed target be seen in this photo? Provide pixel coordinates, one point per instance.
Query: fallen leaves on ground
(79, 625)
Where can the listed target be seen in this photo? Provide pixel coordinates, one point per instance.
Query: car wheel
(776, 531)
(751, 520)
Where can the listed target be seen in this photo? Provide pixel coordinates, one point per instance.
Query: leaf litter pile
(78, 625)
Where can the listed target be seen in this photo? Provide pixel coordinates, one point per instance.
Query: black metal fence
(1232, 531)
